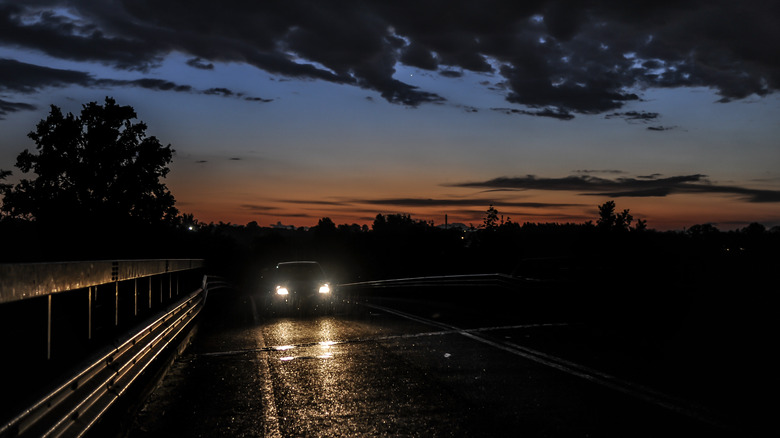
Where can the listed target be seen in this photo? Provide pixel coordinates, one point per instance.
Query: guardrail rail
(466, 280)
(121, 327)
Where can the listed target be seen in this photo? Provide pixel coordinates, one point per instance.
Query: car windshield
(299, 271)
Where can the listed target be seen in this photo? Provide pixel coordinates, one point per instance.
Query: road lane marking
(270, 414)
(649, 395)
(375, 339)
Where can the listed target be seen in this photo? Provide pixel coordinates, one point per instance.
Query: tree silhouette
(3, 175)
(609, 220)
(754, 229)
(325, 227)
(4, 187)
(96, 169)
(491, 218)
(699, 230)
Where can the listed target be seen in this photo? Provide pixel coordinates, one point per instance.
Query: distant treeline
(397, 245)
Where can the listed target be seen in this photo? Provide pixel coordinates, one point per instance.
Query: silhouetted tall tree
(325, 227)
(3, 175)
(609, 220)
(99, 168)
(4, 187)
(491, 218)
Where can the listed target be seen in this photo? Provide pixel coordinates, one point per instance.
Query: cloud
(258, 99)
(661, 128)
(426, 202)
(625, 187)
(219, 92)
(468, 109)
(148, 83)
(643, 117)
(451, 73)
(258, 207)
(200, 64)
(311, 202)
(556, 58)
(7, 107)
(633, 115)
(34, 27)
(546, 112)
(25, 78)
(614, 171)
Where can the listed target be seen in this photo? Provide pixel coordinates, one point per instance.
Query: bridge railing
(466, 280)
(497, 294)
(94, 325)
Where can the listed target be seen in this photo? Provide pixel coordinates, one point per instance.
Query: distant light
(324, 289)
(281, 290)
(190, 228)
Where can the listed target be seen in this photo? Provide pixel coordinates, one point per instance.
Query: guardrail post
(135, 297)
(48, 329)
(116, 304)
(89, 312)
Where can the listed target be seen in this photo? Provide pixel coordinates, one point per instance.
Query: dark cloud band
(647, 186)
(7, 107)
(27, 78)
(556, 58)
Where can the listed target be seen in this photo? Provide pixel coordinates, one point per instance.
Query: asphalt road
(401, 367)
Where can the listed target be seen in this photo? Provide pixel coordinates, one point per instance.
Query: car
(297, 287)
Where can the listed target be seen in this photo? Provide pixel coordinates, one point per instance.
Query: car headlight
(324, 289)
(280, 290)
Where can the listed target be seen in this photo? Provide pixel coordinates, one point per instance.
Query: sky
(288, 112)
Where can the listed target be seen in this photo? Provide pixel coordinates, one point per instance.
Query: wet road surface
(388, 368)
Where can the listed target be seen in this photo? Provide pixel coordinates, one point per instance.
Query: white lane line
(638, 391)
(270, 414)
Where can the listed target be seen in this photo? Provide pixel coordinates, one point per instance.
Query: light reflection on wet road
(375, 372)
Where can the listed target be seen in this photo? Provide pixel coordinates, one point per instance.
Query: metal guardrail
(120, 313)
(95, 295)
(74, 406)
(469, 280)
(28, 280)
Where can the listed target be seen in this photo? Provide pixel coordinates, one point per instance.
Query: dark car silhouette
(297, 287)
